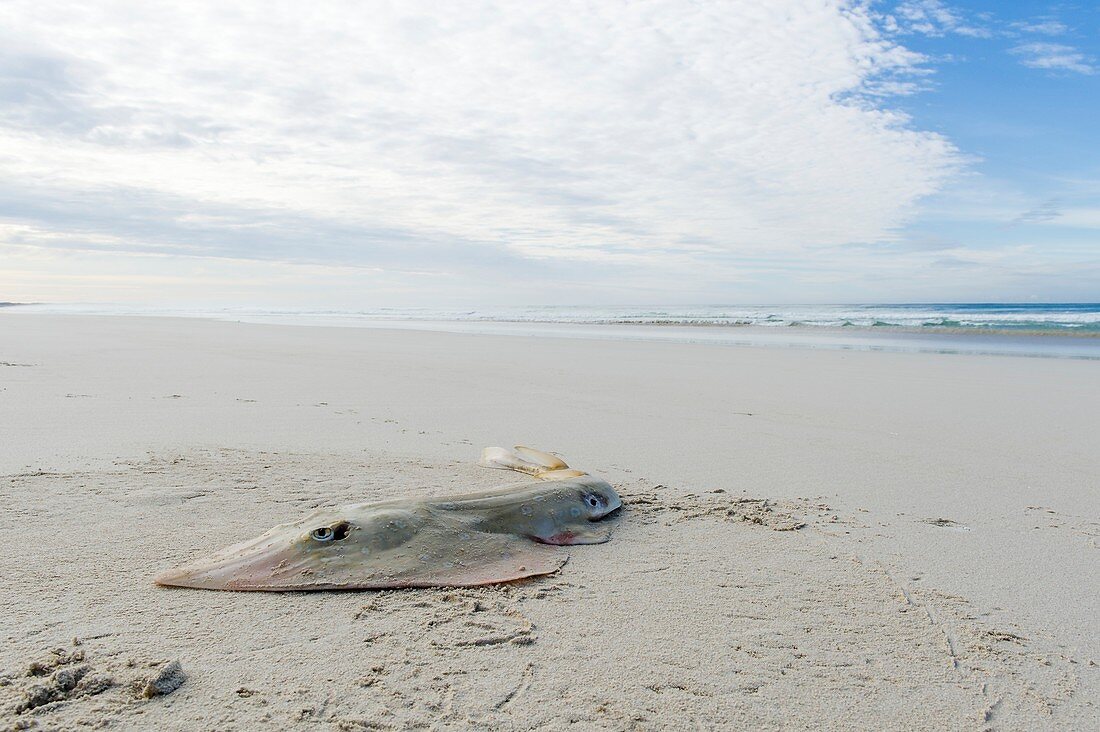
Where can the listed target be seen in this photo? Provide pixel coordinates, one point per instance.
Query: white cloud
(458, 137)
(934, 18)
(1055, 57)
(1043, 26)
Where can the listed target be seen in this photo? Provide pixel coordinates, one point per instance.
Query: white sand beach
(811, 539)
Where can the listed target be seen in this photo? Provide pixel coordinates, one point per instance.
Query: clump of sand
(61, 681)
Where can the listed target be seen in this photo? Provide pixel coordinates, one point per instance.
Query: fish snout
(611, 509)
(255, 575)
(246, 566)
(600, 500)
(327, 550)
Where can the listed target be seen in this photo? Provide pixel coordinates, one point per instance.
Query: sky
(489, 153)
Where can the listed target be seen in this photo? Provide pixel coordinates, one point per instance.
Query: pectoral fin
(513, 558)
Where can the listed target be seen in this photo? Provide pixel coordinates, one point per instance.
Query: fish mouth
(610, 513)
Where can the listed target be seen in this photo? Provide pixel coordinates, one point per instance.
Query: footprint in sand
(456, 618)
(945, 523)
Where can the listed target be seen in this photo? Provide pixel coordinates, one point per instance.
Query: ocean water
(1064, 318)
(1074, 318)
(994, 328)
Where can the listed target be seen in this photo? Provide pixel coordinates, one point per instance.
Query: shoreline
(1004, 342)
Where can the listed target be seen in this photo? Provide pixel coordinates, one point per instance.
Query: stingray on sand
(462, 540)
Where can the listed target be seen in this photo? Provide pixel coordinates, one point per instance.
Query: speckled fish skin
(452, 541)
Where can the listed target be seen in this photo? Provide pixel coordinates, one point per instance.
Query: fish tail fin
(504, 459)
(541, 465)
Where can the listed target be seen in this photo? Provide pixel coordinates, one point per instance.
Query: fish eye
(592, 500)
(331, 533)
